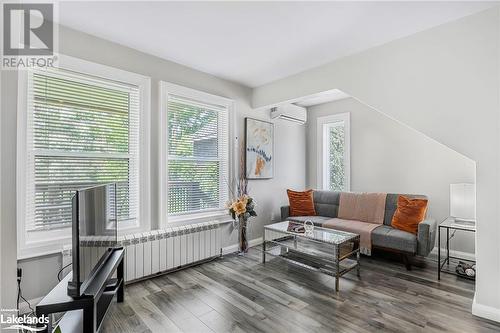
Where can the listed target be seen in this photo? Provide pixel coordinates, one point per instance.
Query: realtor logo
(28, 35)
(35, 34)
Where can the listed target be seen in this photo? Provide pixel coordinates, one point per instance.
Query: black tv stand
(85, 314)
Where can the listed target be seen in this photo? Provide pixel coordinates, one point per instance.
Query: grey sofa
(385, 237)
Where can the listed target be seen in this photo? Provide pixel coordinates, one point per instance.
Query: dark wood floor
(239, 294)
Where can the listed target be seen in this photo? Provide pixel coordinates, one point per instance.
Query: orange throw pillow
(409, 214)
(301, 203)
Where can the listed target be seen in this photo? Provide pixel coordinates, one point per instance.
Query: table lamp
(463, 202)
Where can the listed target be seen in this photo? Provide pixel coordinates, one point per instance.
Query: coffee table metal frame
(340, 263)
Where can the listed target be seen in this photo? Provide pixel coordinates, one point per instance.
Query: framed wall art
(259, 149)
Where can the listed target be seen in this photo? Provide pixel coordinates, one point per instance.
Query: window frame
(322, 179)
(43, 242)
(166, 89)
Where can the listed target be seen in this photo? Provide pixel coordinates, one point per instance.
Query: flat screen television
(94, 233)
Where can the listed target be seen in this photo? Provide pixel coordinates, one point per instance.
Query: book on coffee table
(296, 227)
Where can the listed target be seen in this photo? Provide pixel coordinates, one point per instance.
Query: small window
(333, 147)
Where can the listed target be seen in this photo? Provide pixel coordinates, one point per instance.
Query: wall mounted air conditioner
(290, 112)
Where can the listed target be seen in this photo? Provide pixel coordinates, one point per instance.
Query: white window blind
(197, 155)
(82, 131)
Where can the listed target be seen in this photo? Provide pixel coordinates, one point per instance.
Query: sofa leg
(406, 261)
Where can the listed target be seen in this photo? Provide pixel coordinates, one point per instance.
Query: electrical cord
(18, 295)
(21, 297)
(62, 269)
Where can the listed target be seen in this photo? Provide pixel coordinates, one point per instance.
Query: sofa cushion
(409, 214)
(391, 204)
(326, 203)
(301, 203)
(317, 220)
(390, 238)
(382, 236)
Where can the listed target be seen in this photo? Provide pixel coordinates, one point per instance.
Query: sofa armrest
(426, 237)
(285, 212)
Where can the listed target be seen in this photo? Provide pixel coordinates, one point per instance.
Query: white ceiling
(254, 43)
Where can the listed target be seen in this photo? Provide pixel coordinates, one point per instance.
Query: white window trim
(53, 241)
(166, 89)
(322, 169)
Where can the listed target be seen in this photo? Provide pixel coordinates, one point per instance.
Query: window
(333, 150)
(81, 130)
(196, 133)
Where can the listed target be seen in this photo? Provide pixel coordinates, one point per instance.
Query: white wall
(444, 82)
(387, 156)
(8, 122)
(40, 273)
(1, 299)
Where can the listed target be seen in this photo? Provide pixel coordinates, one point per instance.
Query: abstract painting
(259, 147)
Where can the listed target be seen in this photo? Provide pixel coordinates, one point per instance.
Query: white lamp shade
(463, 201)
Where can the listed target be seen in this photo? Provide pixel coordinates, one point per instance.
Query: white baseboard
(234, 248)
(485, 311)
(460, 254)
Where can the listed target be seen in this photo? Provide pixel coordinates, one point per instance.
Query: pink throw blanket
(364, 230)
(360, 213)
(365, 207)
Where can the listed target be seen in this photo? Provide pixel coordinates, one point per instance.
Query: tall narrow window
(333, 143)
(197, 173)
(81, 131)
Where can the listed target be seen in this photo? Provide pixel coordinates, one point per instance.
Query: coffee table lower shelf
(312, 262)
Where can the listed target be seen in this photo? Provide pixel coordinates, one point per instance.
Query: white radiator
(160, 251)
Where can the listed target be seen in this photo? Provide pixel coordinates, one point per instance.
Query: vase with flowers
(241, 209)
(241, 206)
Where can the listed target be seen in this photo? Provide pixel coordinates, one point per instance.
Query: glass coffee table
(324, 250)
